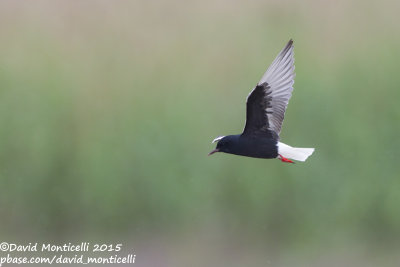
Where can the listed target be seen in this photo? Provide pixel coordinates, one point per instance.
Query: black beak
(214, 151)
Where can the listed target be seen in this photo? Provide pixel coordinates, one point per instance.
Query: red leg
(283, 159)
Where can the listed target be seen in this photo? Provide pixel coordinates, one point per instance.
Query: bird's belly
(266, 150)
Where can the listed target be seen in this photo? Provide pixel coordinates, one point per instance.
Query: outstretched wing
(266, 104)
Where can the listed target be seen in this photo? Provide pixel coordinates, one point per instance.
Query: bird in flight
(265, 110)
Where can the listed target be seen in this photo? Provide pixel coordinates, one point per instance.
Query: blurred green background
(108, 108)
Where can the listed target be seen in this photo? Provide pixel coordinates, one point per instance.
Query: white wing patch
(217, 139)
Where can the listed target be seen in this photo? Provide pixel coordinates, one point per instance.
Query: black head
(225, 144)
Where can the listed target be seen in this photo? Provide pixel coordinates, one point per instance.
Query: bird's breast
(257, 148)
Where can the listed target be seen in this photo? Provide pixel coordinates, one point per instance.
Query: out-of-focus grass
(107, 111)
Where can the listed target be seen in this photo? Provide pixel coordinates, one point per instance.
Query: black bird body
(265, 111)
(261, 147)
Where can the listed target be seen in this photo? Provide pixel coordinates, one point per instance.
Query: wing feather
(267, 102)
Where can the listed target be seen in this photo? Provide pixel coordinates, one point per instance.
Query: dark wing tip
(288, 46)
(286, 49)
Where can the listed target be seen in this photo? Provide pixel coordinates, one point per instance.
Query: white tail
(296, 153)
